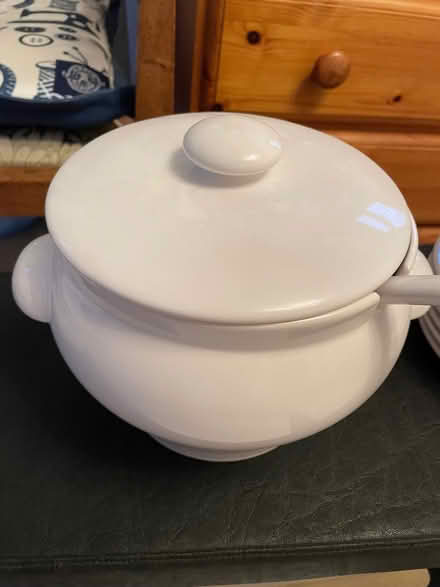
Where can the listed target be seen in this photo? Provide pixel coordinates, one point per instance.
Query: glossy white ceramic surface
(237, 145)
(323, 227)
(211, 391)
(32, 279)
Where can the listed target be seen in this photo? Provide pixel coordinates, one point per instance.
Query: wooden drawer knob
(331, 70)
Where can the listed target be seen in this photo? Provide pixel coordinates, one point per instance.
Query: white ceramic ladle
(414, 290)
(422, 288)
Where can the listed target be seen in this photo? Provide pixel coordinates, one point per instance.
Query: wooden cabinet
(381, 56)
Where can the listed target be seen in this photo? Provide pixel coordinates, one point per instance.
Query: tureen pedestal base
(203, 454)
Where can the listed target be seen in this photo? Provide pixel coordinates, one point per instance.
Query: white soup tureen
(227, 283)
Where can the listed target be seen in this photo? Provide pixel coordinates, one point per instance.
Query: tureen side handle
(32, 279)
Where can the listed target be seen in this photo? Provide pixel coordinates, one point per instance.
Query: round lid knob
(331, 70)
(232, 145)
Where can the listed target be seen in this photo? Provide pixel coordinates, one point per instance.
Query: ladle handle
(413, 290)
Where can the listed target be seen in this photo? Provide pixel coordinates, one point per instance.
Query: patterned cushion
(54, 49)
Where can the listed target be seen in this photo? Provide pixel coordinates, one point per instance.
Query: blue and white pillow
(56, 63)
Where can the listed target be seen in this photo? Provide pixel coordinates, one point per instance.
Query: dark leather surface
(86, 499)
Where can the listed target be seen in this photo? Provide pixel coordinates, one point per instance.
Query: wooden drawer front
(393, 47)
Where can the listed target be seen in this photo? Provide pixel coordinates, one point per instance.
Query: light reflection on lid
(373, 223)
(395, 217)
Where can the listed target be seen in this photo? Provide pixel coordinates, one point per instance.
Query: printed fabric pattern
(54, 49)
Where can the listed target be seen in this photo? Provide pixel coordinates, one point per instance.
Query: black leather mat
(86, 499)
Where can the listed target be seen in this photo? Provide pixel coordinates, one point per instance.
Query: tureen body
(212, 391)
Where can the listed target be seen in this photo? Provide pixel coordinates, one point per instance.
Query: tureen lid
(228, 218)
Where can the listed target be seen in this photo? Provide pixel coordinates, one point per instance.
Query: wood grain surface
(210, 17)
(23, 190)
(155, 59)
(392, 45)
(197, 54)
